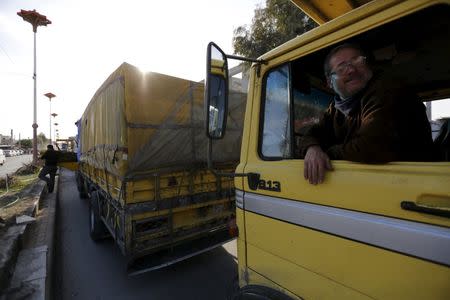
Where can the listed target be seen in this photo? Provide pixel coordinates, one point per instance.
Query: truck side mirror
(216, 92)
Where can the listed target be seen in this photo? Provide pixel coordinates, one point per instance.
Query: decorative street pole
(35, 19)
(56, 130)
(54, 118)
(50, 96)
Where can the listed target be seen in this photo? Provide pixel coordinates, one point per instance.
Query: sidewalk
(31, 250)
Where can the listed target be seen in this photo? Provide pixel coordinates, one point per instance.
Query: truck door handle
(412, 206)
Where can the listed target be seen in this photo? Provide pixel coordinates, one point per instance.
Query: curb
(9, 253)
(12, 239)
(32, 260)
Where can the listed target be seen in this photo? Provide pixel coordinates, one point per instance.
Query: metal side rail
(178, 253)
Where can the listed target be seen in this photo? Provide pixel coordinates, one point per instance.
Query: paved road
(88, 270)
(13, 163)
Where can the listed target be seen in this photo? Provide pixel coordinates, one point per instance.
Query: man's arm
(316, 161)
(44, 155)
(321, 134)
(316, 164)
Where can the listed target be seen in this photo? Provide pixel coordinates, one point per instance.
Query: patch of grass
(16, 182)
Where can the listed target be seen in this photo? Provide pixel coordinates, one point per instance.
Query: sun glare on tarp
(144, 68)
(146, 71)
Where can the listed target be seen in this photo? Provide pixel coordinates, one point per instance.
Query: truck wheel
(86, 194)
(78, 180)
(257, 292)
(81, 186)
(97, 228)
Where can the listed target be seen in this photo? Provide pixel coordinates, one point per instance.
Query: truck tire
(81, 186)
(97, 228)
(257, 292)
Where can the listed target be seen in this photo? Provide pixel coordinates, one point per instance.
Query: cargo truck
(369, 231)
(142, 166)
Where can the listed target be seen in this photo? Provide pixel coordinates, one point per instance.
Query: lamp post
(54, 117)
(56, 130)
(50, 96)
(35, 19)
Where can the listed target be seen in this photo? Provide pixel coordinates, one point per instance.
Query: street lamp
(35, 19)
(56, 130)
(54, 117)
(50, 96)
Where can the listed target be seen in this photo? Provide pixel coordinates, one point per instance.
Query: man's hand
(316, 163)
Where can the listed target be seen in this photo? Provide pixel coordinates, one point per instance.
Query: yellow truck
(142, 165)
(369, 231)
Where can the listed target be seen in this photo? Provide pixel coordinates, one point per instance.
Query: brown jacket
(388, 125)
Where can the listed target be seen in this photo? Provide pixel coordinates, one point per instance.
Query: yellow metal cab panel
(324, 11)
(314, 265)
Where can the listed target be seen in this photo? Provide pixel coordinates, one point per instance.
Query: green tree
(25, 143)
(42, 140)
(271, 26)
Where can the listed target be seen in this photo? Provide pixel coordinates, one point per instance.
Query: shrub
(12, 180)
(26, 169)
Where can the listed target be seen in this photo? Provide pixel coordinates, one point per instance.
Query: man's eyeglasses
(343, 67)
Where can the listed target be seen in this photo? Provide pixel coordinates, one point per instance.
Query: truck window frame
(292, 111)
(263, 116)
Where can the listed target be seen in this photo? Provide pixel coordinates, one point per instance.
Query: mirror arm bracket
(260, 61)
(253, 178)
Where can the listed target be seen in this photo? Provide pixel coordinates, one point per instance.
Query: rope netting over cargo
(140, 123)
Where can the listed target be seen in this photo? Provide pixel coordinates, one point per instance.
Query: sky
(89, 39)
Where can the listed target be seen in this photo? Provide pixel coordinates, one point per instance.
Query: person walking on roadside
(51, 159)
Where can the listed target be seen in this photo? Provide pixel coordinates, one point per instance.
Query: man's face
(349, 72)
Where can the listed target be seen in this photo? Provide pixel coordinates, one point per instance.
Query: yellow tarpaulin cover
(138, 123)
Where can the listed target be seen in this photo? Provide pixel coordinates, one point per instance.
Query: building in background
(6, 140)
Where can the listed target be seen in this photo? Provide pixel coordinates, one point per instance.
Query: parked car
(8, 153)
(2, 157)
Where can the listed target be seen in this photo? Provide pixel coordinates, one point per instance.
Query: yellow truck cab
(369, 231)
